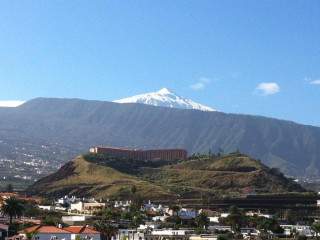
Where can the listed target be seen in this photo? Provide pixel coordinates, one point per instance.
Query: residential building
(57, 233)
(158, 154)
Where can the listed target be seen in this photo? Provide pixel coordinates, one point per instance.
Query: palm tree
(175, 208)
(235, 216)
(30, 235)
(202, 220)
(106, 229)
(12, 207)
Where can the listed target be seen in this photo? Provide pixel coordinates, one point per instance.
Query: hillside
(82, 178)
(81, 124)
(102, 176)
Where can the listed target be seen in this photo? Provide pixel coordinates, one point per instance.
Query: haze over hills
(80, 124)
(165, 98)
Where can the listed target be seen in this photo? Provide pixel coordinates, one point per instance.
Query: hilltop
(102, 176)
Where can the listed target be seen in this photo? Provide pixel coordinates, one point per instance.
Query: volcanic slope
(102, 176)
(87, 179)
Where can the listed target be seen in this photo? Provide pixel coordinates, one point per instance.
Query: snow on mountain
(11, 103)
(165, 98)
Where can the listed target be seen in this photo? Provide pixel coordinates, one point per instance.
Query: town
(73, 218)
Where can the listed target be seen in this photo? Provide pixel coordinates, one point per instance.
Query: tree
(265, 224)
(136, 220)
(30, 235)
(316, 227)
(133, 189)
(202, 220)
(9, 188)
(290, 216)
(12, 207)
(302, 237)
(223, 237)
(175, 208)
(106, 229)
(31, 209)
(136, 205)
(235, 216)
(205, 201)
(221, 151)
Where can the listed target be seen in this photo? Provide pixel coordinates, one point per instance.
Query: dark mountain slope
(292, 147)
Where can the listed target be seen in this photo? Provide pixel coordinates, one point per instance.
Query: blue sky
(250, 57)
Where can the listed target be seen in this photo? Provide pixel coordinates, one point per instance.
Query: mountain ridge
(81, 124)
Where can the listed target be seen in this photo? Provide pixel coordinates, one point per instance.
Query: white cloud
(11, 103)
(265, 89)
(202, 82)
(197, 86)
(310, 81)
(316, 82)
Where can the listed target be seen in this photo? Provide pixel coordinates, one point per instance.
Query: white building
(301, 229)
(55, 233)
(187, 213)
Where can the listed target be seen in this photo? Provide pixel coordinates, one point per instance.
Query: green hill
(85, 179)
(232, 173)
(94, 175)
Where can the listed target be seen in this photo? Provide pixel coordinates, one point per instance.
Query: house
(84, 232)
(213, 219)
(301, 229)
(122, 204)
(67, 200)
(204, 237)
(48, 232)
(75, 220)
(150, 225)
(159, 218)
(209, 212)
(220, 228)
(249, 232)
(252, 213)
(187, 213)
(57, 233)
(86, 206)
(129, 234)
(3, 229)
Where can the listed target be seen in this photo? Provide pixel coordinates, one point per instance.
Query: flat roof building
(157, 154)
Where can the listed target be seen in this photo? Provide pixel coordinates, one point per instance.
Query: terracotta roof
(74, 229)
(46, 229)
(3, 225)
(79, 229)
(207, 210)
(30, 229)
(8, 194)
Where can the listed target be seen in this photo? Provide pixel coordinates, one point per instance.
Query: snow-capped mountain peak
(165, 98)
(165, 91)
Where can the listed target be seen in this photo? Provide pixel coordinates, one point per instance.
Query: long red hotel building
(158, 154)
